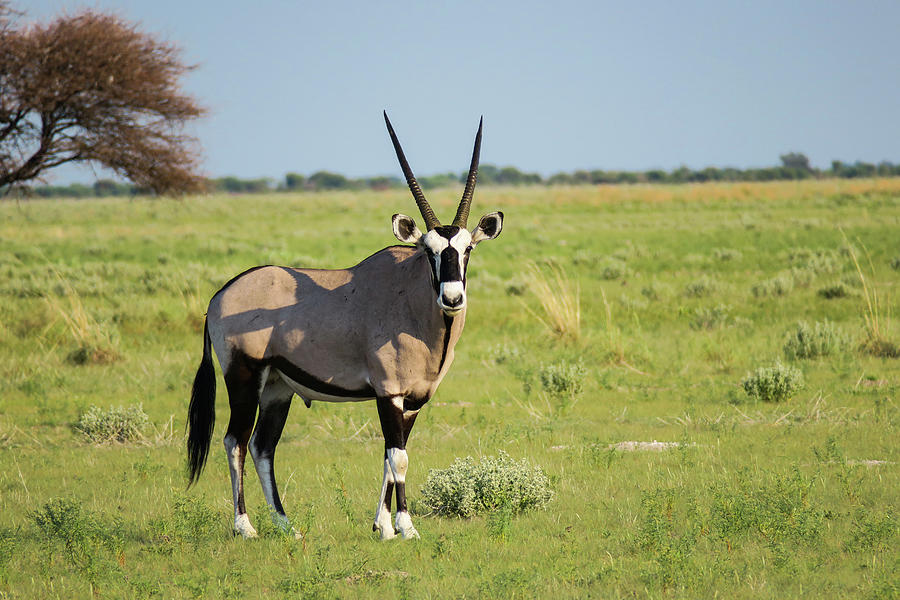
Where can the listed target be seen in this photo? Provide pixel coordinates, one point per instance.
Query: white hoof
(383, 525)
(243, 527)
(405, 526)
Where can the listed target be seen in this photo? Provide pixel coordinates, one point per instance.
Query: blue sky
(300, 86)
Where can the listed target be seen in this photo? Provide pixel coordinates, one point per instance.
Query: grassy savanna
(684, 293)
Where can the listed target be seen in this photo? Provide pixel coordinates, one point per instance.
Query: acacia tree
(91, 88)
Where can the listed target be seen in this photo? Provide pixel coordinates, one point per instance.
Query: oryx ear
(488, 228)
(405, 229)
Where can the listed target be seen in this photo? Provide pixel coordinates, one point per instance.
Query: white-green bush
(701, 288)
(812, 341)
(713, 317)
(563, 378)
(780, 285)
(467, 488)
(773, 384)
(117, 424)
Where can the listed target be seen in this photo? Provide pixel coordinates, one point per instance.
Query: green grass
(102, 301)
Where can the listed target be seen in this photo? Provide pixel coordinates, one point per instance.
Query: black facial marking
(450, 265)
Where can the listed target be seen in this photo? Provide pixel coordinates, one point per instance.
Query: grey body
(357, 329)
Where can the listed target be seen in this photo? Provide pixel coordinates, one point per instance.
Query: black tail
(202, 411)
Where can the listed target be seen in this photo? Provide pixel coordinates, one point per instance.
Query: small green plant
(780, 285)
(191, 521)
(895, 263)
(812, 341)
(612, 268)
(773, 384)
(467, 488)
(116, 424)
(62, 521)
(563, 379)
(872, 531)
(777, 507)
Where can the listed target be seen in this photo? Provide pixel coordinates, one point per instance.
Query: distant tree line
(794, 166)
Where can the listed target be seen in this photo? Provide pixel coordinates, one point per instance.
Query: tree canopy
(92, 88)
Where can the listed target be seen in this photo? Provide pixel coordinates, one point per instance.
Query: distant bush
(812, 341)
(713, 317)
(612, 268)
(838, 289)
(700, 288)
(506, 354)
(117, 424)
(467, 488)
(563, 378)
(726, 254)
(803, 276)
(818, 261)
(655, 291)
(773, 384)
(780, 285)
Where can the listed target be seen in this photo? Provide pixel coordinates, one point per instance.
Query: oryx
(384, 329)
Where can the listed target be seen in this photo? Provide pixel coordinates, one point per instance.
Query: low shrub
(881, 347)
(467, 488)
(812, 341)
(506, 354)
(838, 289)
(62, 521)
(780, 285)
(701, 288)
(773, 384)
(655, 291)
(563, 378)
(726, 254)
(713, 317)
(818, 261)
(611, 268)
(116, 424)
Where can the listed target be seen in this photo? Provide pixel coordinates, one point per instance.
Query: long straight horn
(462, 213)
(431, 221)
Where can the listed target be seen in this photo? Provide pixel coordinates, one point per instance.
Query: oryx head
(448, 246)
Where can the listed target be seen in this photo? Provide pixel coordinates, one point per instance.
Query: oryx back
(337, 335)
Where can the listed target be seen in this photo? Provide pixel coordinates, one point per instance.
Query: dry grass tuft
(559, 299)
(877, 323)
(94, 344)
